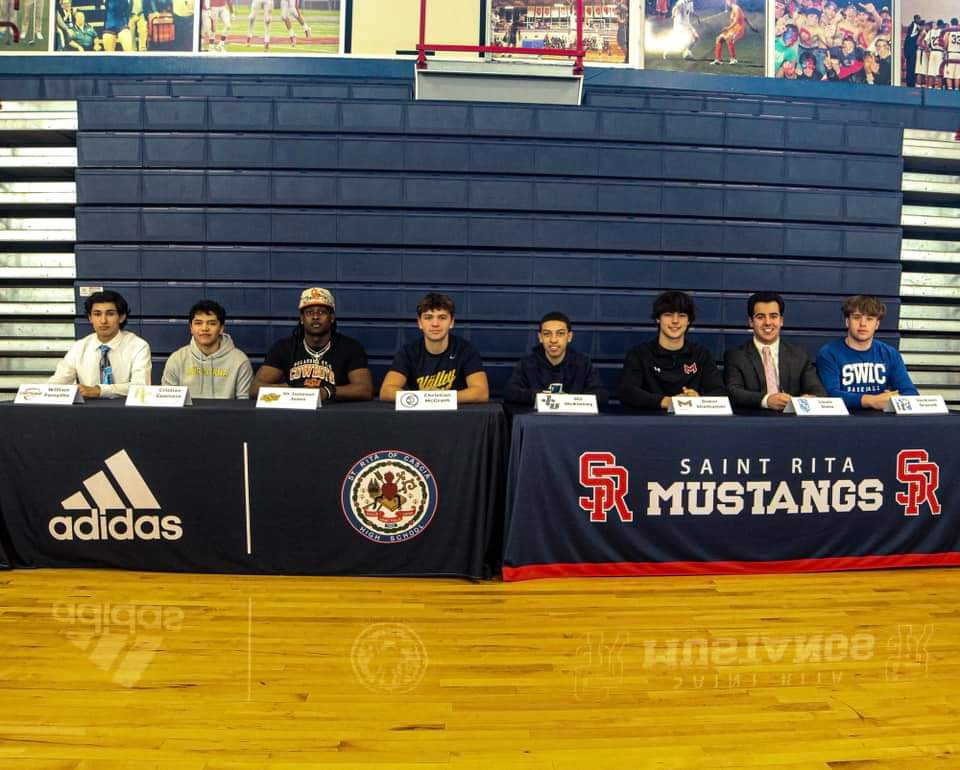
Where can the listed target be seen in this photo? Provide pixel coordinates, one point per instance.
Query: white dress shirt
(775, 354)
(129, 360)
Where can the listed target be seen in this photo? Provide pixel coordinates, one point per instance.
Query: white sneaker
(39, 36)
(687, 54)
(734, 61)
(716, 61)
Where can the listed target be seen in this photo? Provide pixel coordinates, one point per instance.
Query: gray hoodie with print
(225, 374)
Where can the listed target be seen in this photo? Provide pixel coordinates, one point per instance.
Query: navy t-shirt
(444, 371)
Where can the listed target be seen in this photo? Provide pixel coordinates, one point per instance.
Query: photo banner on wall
(24, 29)
(834, 41)
(537, 24)
(271, 26)
(723, 37)
(124, 26)
(930, 49)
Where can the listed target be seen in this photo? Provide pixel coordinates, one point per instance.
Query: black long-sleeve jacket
(651, 372)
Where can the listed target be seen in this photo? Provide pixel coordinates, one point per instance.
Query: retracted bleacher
(512, 209)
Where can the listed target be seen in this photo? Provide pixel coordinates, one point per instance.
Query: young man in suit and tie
(766, 371)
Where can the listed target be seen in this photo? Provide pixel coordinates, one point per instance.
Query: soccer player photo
(270, 26)
(717, 36)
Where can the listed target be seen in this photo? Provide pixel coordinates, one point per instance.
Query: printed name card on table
(48, 394)
(288, 398)
(917, 405)
(700, 406)
(567, 403)
(816, 407)
(426, 400)
(158, 395)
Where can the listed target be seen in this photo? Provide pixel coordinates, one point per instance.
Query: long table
(223, 487)
(654, 495)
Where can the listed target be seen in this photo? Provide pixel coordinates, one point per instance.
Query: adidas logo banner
(224, 488)
(101, 505)
(92, 500)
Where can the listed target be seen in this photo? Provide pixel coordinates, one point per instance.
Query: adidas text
(125, 526)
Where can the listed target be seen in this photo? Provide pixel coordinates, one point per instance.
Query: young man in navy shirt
(861, 370)
(554, 365)
(438, 360)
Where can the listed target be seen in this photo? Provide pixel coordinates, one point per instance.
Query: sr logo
(610, 483)
(922, 478)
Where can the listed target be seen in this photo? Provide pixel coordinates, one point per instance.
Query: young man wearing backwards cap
(316, 355)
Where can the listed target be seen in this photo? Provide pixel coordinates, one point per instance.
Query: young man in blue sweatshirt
(861, 370)
(553, 365)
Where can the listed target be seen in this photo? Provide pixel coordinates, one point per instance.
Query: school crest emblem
(389, 496)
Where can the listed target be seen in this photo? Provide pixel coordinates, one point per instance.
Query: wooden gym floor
(101, 670)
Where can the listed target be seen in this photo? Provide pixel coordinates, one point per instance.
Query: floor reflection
(389, 657)
(120, 639)
(275, 671)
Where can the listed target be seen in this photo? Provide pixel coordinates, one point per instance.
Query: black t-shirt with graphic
(303, 370)
(445, 371)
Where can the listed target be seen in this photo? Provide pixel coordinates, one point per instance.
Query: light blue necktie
(106, 371)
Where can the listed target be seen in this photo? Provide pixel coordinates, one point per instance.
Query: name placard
(816, 407)
(63, 395)
(426, 400)
(158, 395)
(917, 405)
(288, 398)
(567, 403)
(700, 406)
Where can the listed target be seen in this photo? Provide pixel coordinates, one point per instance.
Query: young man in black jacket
(670, 365)
(553, 366)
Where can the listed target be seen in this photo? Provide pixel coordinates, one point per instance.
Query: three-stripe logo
(108, 516)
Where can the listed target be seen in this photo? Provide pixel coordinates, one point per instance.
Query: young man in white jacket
(210, 366)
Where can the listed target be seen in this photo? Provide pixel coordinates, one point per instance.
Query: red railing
(577, 53)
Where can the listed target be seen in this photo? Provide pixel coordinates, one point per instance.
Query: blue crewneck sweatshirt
(850, 373)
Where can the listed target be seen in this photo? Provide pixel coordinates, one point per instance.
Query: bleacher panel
(247, 192)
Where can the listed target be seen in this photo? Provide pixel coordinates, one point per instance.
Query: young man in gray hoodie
(210, 366)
